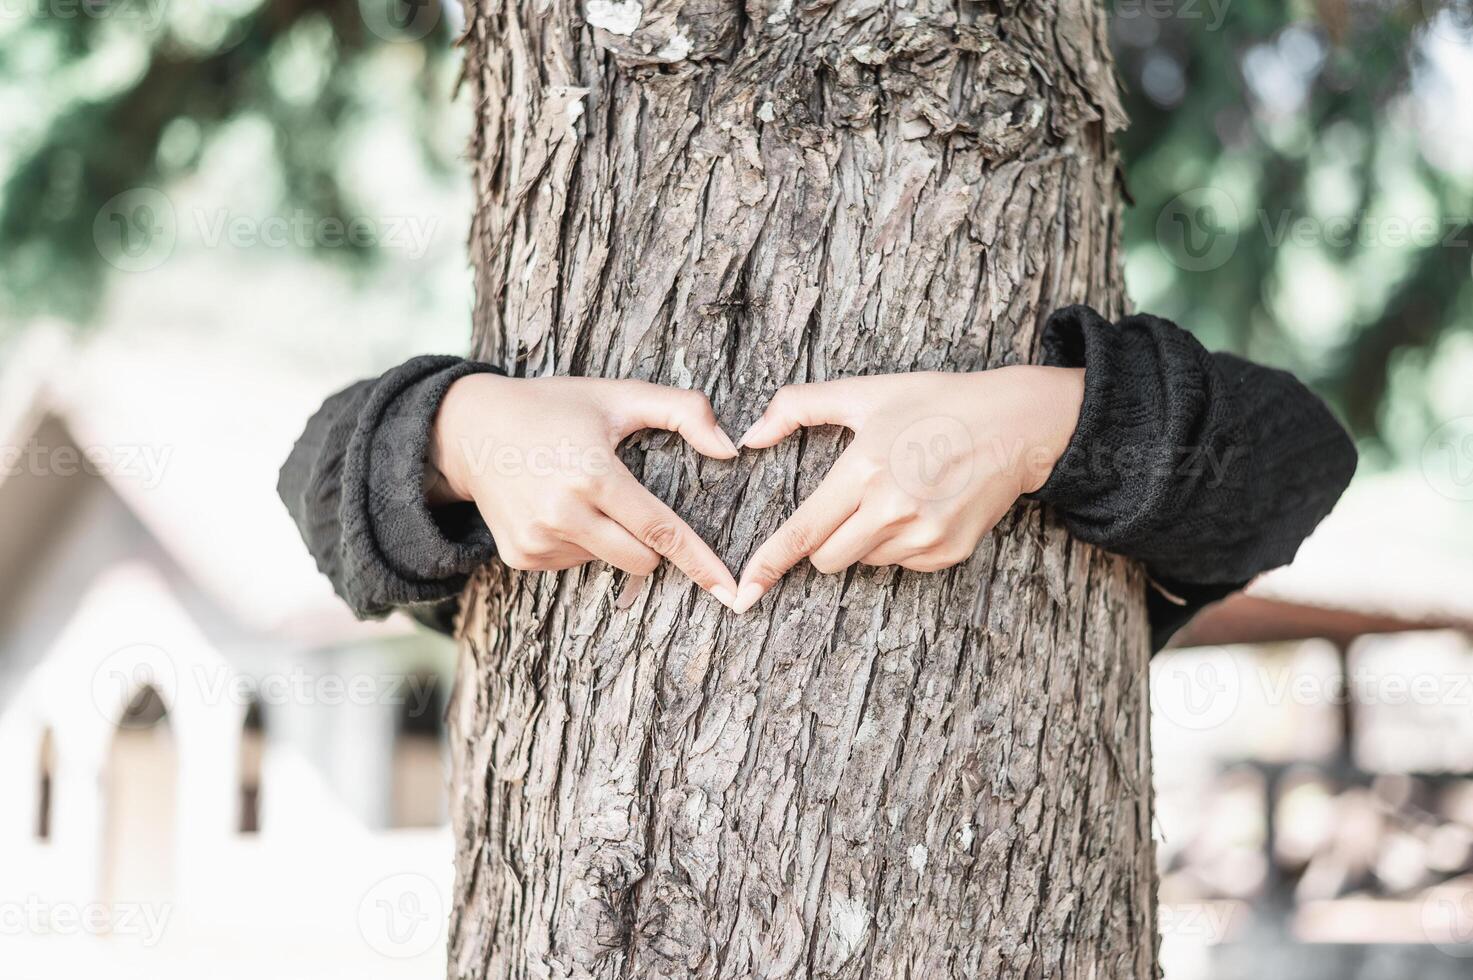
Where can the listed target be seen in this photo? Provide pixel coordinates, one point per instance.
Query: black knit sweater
(1207, 468)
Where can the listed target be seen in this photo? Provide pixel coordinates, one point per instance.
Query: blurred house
(200, 748)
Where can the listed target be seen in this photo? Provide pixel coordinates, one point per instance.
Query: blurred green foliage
(114, 95)
(1274, 153)
(1301, 188)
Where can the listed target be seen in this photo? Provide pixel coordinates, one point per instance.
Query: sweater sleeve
(355, 485)
(1207, 468)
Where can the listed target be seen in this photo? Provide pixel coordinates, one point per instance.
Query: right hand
(538, 457)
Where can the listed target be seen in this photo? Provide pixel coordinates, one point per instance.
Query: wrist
(447, 476)
(1057, 396)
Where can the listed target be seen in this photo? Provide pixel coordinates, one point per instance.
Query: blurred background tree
(1300, 173)
(1301, 184)
(107, 96)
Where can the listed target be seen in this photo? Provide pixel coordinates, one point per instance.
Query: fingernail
(730, 446)
(748, 434)
(748, 596)
(630, 592)
(723, 595)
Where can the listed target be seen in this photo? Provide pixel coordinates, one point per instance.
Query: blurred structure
(1315, 761)
(201, 749)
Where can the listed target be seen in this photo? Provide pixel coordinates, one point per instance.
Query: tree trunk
(878, 774)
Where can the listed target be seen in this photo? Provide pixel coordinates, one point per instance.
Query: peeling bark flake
(615, 16)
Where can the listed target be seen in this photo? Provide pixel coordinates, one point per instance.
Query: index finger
(798, 405)
(645, 405)
(646, 517)
(836, 498)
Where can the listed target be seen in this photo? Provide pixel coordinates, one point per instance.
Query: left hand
(936, 461)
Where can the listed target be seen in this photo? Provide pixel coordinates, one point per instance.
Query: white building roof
(1394, 546)
(191, 441)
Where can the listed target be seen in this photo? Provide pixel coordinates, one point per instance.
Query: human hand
(937, 459)
(538, 457)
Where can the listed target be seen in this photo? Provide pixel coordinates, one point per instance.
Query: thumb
(642, 405)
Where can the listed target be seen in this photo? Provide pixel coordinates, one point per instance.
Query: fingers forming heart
(915, 487)
(911, 489)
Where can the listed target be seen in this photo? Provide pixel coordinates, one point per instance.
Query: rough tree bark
(877, 774)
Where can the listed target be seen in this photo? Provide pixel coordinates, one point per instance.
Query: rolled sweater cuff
(1158, 455)
(391, 536)
(1207, 468)
(1147, 387)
